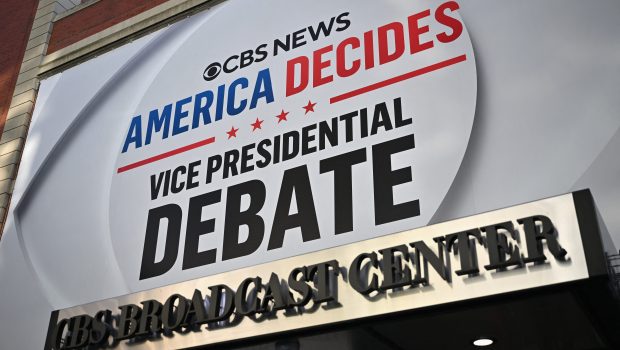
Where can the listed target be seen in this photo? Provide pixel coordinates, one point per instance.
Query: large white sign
(546, 123)
(249, 133)
(290, 129)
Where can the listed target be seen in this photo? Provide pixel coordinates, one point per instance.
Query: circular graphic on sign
(275, 128)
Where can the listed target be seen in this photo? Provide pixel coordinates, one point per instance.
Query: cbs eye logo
(235, 62)
(212, 71)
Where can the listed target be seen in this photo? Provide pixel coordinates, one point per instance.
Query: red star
(309, 107)
(232, 132)
(282, 116)
(257, 124)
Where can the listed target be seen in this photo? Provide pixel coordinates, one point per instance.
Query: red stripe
(166, 154)
(398, 79)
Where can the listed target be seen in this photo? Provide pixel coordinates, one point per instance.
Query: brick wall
(94, 18)
(16, 17)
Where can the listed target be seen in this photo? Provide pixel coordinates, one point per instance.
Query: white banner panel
(222, 142)
(545, 124)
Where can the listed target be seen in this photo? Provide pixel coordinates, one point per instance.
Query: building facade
(276, 174)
